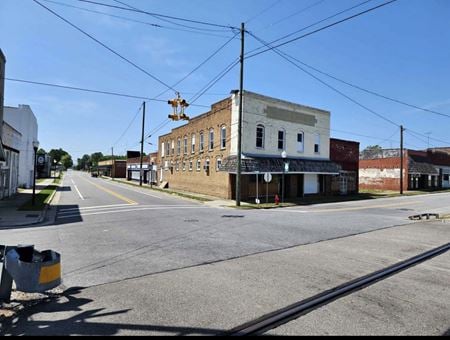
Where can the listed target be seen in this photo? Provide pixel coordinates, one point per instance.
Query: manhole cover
(191, 221)
(31, 216)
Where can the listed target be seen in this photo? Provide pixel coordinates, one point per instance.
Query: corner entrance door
(300, 185)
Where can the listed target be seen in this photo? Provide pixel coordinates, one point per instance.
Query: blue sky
(400, 50)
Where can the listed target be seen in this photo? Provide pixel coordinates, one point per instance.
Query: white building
(9, 169)
(272, 126)
(24, 121)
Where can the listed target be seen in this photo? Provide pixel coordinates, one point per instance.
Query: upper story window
(202, 142)
(300, 142)
(185, 145)
(173, 147)
(163, 150)
(193, 143)
(260, 135)
(317, 143)
(211, 139)
(168, 149)
(281, 140)
(190, 165)
(199, 165)
(184, 165)
(223, 137)
(177, 166)
(179, 146)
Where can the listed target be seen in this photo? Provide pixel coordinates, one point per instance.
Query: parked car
(94, 174)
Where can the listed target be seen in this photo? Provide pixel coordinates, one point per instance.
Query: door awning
(276, 165)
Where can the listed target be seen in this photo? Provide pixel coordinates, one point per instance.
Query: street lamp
(54, 170)
(284, 156)
(35, 147)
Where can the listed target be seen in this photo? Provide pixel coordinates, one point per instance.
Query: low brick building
(422, 170)
(113, 168)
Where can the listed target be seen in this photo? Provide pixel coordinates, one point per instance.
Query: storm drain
(31, 216)
(233, 216)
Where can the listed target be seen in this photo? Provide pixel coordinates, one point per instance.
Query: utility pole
(142, 146)
(241, 95)
(401, 159)
(112, 161)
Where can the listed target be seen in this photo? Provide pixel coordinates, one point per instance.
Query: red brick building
(422, 170)
(346, 154)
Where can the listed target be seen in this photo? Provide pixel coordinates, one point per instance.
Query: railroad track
(292, 312)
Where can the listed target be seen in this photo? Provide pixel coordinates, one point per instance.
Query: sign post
(267, 179)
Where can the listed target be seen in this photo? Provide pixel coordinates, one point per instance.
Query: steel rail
(292, 312)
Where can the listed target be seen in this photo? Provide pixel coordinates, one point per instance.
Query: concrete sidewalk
(213, 298)
(11, 216)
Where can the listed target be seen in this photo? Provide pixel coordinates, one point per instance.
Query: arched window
(179, 147)
(218, 164)
(211, 139)
(193, 143)
(223, 137)
(317, 143)
(202, 141)
(260, 135)
(185, 145)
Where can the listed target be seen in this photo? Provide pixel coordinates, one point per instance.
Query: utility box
(33, 271)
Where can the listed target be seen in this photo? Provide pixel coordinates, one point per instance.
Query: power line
(398, 101)
(319, 29)
(317, 3)
(264, 11)
(91, 90)
(134, 20)
(160, 15)
(214, 81)
(166, 20)
(283, 55)
(105, 46)
(431, 138)
(131, 123)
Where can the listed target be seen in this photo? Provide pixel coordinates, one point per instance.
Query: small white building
(24, 121)
(9, 169)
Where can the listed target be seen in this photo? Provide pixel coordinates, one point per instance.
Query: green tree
(66, 161)
(41, 152)
(84, 163)
(95, 158)
(57, 154)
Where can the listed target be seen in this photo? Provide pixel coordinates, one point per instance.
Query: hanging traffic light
(178, 105)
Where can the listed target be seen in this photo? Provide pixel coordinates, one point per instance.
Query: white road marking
(78, 191)
(138, 191)
(97, 207)
(128, 210)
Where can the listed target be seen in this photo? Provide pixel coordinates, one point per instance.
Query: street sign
(268, 177)
(41, 160)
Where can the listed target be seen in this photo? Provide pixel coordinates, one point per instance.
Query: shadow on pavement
(63, 189)
(67, 214)
(70, 318)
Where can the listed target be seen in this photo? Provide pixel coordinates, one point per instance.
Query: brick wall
(382, 174)
(213, 183)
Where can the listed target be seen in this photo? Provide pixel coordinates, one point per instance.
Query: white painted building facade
(24, 121)
(9, 169)
(272, 126)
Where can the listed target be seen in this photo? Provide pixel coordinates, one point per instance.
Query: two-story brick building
(201, 156)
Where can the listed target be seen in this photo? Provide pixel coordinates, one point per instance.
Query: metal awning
(2, 152)
(420, 168)
(276, 165)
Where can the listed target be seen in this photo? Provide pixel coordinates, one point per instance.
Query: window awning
(276, 165)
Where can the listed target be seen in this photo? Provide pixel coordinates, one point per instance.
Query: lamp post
(54, 168)
(35, 147)
(283, 155)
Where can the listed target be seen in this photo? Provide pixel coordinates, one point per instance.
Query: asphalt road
(108, 232)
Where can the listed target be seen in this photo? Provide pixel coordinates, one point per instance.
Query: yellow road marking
(113, 193)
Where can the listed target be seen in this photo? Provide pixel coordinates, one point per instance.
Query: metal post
(257, 185)
(142, 146)
(282, 185)
(6, 280)
(33, 199)
(112, 162)
(401, 159)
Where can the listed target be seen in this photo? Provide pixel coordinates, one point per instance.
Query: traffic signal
(178, 105)
(174, 117)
